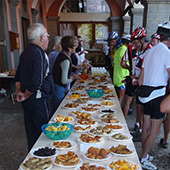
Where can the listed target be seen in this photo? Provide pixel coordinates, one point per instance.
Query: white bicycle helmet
(164, 30)
(127, 37)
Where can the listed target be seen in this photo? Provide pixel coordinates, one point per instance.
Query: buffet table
(81, 147)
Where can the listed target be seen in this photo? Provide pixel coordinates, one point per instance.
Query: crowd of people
(140, 71)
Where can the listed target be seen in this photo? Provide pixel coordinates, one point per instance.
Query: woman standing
(62, 69)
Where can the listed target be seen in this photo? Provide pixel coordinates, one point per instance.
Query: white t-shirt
(155, 64)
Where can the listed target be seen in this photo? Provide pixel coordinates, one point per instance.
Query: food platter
(123, 154)
(42, 157)
(131, 163)
(22, 164)
(73, 144)
(97, 160)
(119, 137)
(91, 164)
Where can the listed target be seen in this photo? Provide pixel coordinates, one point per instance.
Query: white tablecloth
(44, 141)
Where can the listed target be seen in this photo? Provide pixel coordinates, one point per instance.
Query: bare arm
(140, 79)
(124, 65)
(165, 104)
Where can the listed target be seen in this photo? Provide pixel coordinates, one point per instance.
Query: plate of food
(81, 128)
(107, 111)
(71, 105)
(90, 122)
(89, 138)
(115, 127)
(74, 96)
(64, 119)
(64, 144)
(121, 150)
(110, 120)
(119, 164)
(120, 136)
(101, 131)
(97, 154)
(107, 103)
(89, 109)
(37, 163)
(68, 160)
(107, 115)
(80, 88)
(44, 152)
(90, 166)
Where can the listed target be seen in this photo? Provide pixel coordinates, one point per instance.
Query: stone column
(127, 20)
(157, 12)
(34, 13)
(4, 35)
(137, 18)
(13, 19)
(117, 24)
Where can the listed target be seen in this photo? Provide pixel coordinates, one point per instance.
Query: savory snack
(86, 122)
(119, 165)
(37, 163)
(97, 153)
(109, 118)
(62, 144)
(108, 97)
(89, 109)
(119, 136)
(82, 81)
(107, 103)
(88, 166)
(110, 126)
(94, 105)
(68, 159)
(120, 149)
(89, 138)
(100, 130)
(75, 96)
(79, 88)
(61, 118)
(80, 128)
(71, 105)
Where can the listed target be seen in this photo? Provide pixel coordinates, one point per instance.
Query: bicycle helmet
(155, 35)
(139, 33)
(127, 37)
(113, 35)
(164, 30)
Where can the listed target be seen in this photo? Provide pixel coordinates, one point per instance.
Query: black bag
(145, 91)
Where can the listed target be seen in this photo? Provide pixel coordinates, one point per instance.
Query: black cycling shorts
(130, 89)
(152, 108)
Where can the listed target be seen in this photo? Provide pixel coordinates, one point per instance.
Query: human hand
(20, 97)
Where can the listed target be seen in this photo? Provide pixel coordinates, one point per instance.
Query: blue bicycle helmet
(113, 35)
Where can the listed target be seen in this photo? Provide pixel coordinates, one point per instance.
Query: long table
(44, 141)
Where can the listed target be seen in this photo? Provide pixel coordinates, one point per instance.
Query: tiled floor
(13, 147)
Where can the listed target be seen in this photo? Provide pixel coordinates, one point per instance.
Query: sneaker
(136, 128)
(149, 158)
(148, 165)
(130, 112)
(163, 144)
(136, 136)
